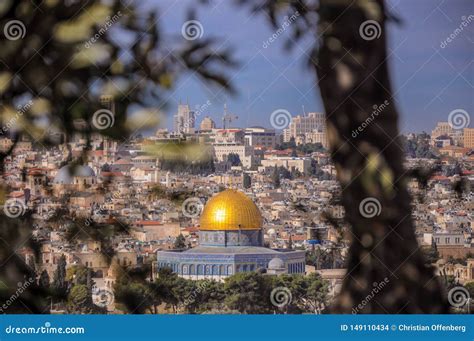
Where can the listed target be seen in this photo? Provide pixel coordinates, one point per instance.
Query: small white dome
(276, 264)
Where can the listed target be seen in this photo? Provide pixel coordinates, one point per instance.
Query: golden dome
(230, 210)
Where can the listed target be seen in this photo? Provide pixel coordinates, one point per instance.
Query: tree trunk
(386, 271)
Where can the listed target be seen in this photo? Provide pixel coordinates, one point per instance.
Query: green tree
(316, 296)
(470, 287)
(248, 293)
(77, 274)
(276, 178)
(180, 242)
(432, 254)
(206, 295)
(234, 159)
(246, 181)
(167, 288)
(60, 284)
(79, 300)
(309, 294)
(287, 145)
(133, 291)
(44, 280)
(133, 296)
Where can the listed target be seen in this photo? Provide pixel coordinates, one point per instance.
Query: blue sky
(430, 81)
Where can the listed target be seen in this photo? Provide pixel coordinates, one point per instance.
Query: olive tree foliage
(350, 65)
(56, 60)
(73, 52)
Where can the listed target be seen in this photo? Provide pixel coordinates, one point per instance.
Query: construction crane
(228, 117)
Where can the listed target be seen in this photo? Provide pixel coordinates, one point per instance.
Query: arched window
(200, 269)
(222, 270)
(244, 268)
(229, 269)
(215, 270)
(192, 269)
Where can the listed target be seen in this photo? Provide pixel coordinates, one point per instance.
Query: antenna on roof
(304, 113)
(228, 117)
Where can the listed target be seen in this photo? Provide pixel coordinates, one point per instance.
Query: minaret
(107, 102)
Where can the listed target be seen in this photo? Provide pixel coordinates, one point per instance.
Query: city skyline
(217, 117)
(431, 76)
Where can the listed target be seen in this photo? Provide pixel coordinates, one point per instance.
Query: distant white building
(259, 136)
(302, 164)
(310, 128)
(445, 130)
(207, 124)
(231, 141)
(245, 153)
(184, 120)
